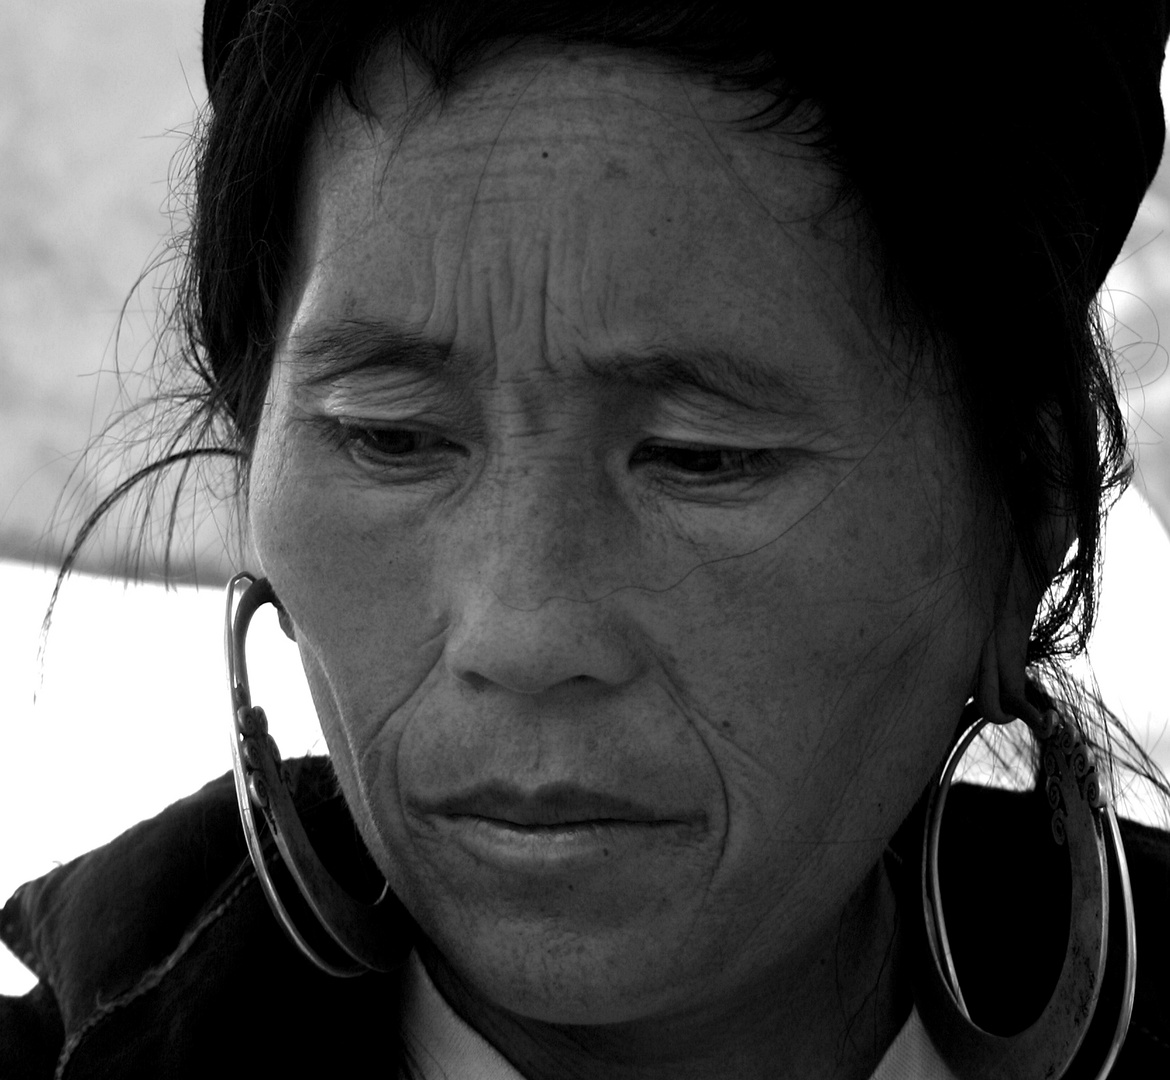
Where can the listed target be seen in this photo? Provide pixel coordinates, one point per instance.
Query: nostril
(527, 675)
(477, 682)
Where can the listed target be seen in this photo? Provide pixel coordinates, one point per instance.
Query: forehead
(627, 203)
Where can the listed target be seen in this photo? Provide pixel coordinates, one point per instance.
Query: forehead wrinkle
(491, 150)
(457, 111)
(516, 293)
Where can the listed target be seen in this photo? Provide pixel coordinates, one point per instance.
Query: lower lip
(572, 845)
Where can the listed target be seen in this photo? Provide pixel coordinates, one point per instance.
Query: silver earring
(1084, 822)
(361, 932)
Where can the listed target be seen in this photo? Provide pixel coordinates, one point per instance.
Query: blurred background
(122, 707)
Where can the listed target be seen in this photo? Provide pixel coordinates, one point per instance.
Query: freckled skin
(780, 659)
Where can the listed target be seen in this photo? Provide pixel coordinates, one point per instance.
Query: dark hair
(1000, 172)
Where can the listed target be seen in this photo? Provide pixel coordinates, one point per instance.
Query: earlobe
(286, 623)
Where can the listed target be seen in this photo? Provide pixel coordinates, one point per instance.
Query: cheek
(365, 627)
(810, 667)
(836, 657)
(343, 571)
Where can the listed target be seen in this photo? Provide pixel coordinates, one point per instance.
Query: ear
(999, 692)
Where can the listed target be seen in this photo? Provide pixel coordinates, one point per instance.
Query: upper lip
(550, 804)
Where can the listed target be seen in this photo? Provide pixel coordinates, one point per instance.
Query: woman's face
(635, 584)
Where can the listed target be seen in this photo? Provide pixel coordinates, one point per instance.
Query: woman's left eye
(710, 462)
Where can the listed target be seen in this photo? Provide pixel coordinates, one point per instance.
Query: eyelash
(730, 464)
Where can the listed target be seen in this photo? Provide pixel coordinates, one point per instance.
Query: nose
(557, 642)
(537, 599)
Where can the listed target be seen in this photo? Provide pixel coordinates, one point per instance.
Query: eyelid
(357, 426)
(373, 405)
(697, 418)
(422, 409)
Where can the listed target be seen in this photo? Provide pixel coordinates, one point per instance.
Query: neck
(829, 1011)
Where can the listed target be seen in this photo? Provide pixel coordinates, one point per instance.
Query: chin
(570, 978)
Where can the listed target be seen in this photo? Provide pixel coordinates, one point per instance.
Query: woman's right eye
(394, 447)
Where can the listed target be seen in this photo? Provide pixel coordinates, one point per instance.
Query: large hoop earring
(358, 939)
(1084, 822)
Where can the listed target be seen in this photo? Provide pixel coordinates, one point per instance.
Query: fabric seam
(154, 976)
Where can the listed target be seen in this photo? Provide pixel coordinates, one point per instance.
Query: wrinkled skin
(756, 612)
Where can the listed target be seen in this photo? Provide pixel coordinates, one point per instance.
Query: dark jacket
(158, 957)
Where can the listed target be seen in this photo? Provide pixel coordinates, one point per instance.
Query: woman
(655, 424)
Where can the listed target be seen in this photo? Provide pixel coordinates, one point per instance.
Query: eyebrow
(338, 349)
(737, 377)
(342, 348)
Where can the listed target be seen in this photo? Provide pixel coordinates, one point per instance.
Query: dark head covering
(1128, 47)
(1083, 75)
